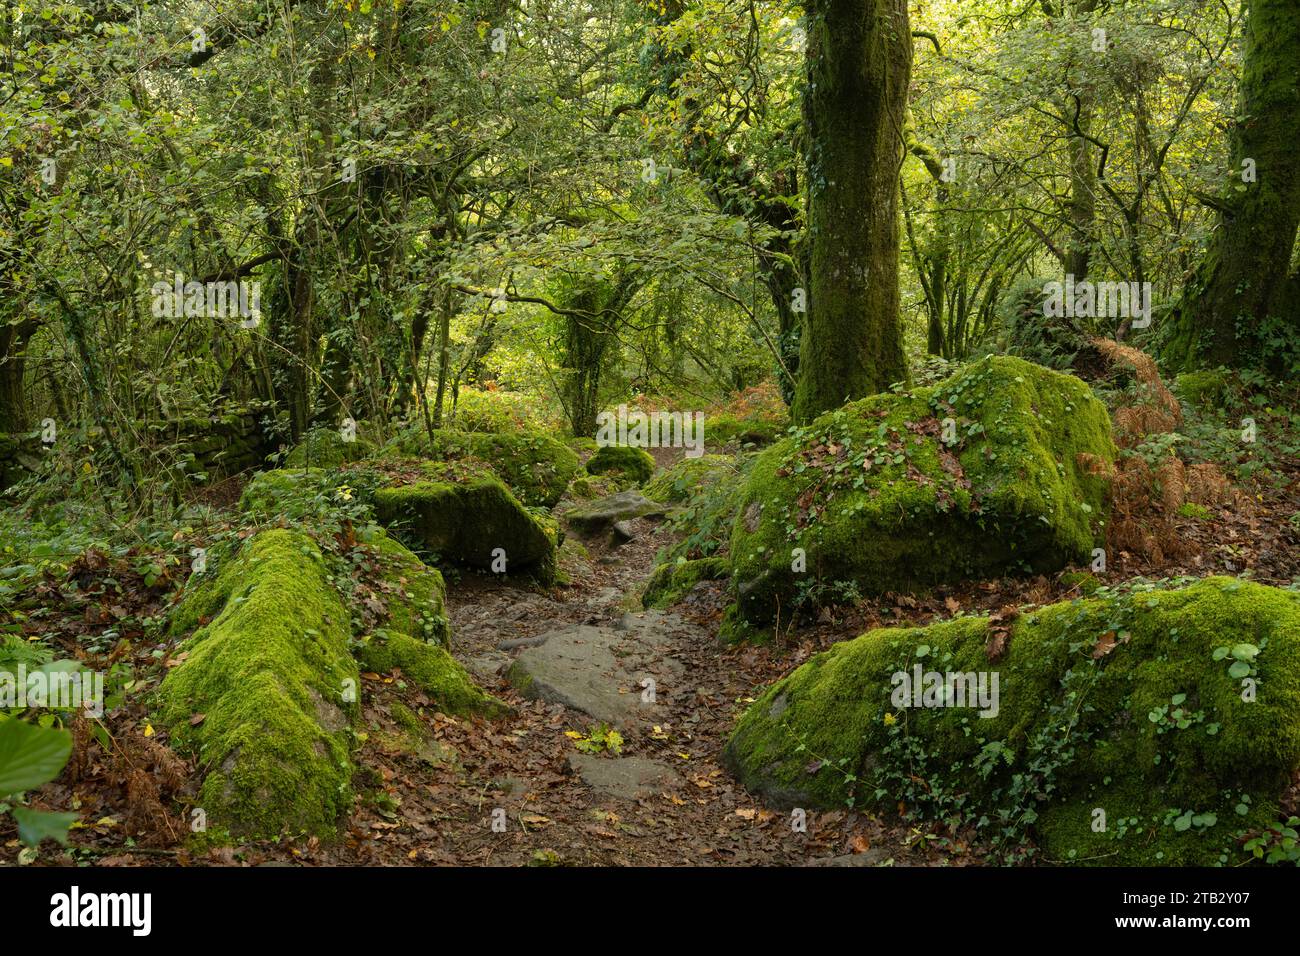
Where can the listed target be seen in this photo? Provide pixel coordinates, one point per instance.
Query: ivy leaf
(37, 825)
(30, 755)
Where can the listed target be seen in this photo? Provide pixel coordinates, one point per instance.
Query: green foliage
(30, 756)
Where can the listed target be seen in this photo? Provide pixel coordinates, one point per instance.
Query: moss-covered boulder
(267, 690)
(535, 466)
(725, 429)
(585, 487)
(414, 594)
(474, 521)
(634, 464)
(998, 468)
(326, 448)
(687, 477)
(430, 668)
(415, 636)
(671, 582)
(1152, 728)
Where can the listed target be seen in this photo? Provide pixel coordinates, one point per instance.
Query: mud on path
(432, 796)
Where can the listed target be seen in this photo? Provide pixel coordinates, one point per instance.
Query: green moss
(535, 466)
(721, 430)
(271, 675)
(671, 582)
(1206, 388)
(431, 669)
(1087, 582)
(476, 522)
(586, 487)
(325, 448)
(1124, 704)
(876, 498)
(416, 592)
(633, 463)
(688, 477)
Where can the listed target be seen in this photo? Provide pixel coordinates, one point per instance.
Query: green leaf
(1239, 670)
(30, 756)
(37, 825)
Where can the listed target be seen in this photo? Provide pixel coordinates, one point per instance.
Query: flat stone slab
(601, 671)
(623, 777)
(603, 513)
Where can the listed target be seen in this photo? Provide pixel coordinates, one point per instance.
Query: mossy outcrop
(416, 593)
(725, 429)
(430, 668)
(671, 582)
(415, 637)
(999, 468)
(536, 467)
(475, 521)
(1149, 728)
(634, 464)
(266, 694)
(688, 477)
(326, 448)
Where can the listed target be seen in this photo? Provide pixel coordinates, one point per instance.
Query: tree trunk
(1243, 294)
(859, 61)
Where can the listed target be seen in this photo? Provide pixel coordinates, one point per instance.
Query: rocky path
(539, 788)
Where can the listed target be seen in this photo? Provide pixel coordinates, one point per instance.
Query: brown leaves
(1000, 623)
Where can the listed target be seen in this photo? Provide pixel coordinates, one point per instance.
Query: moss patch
(431, 669)
(535, 466)
(985, 473)
(416, 592)
(476, 522)
(671, 582)
(273, 679)
(634, 464)
(1137, 705)
(688, 477)
(325, 448)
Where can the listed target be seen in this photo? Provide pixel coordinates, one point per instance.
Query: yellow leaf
(148, 730)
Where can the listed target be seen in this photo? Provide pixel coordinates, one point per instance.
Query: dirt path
(664, 799)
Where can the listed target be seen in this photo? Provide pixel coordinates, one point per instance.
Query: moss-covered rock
(267, 691)
(1174, 713)
(292, 492)
(1205, 388)
(671, 582)
(416, 593)
(993, 470)
(535, 466)
(325, 448)
(725, 429)
(585, 487)
(634, 464)
(688, 477)
(430, 668)
(475, 521)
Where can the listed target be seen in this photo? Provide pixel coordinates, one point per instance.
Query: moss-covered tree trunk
(859, 59)
(1244, 292)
